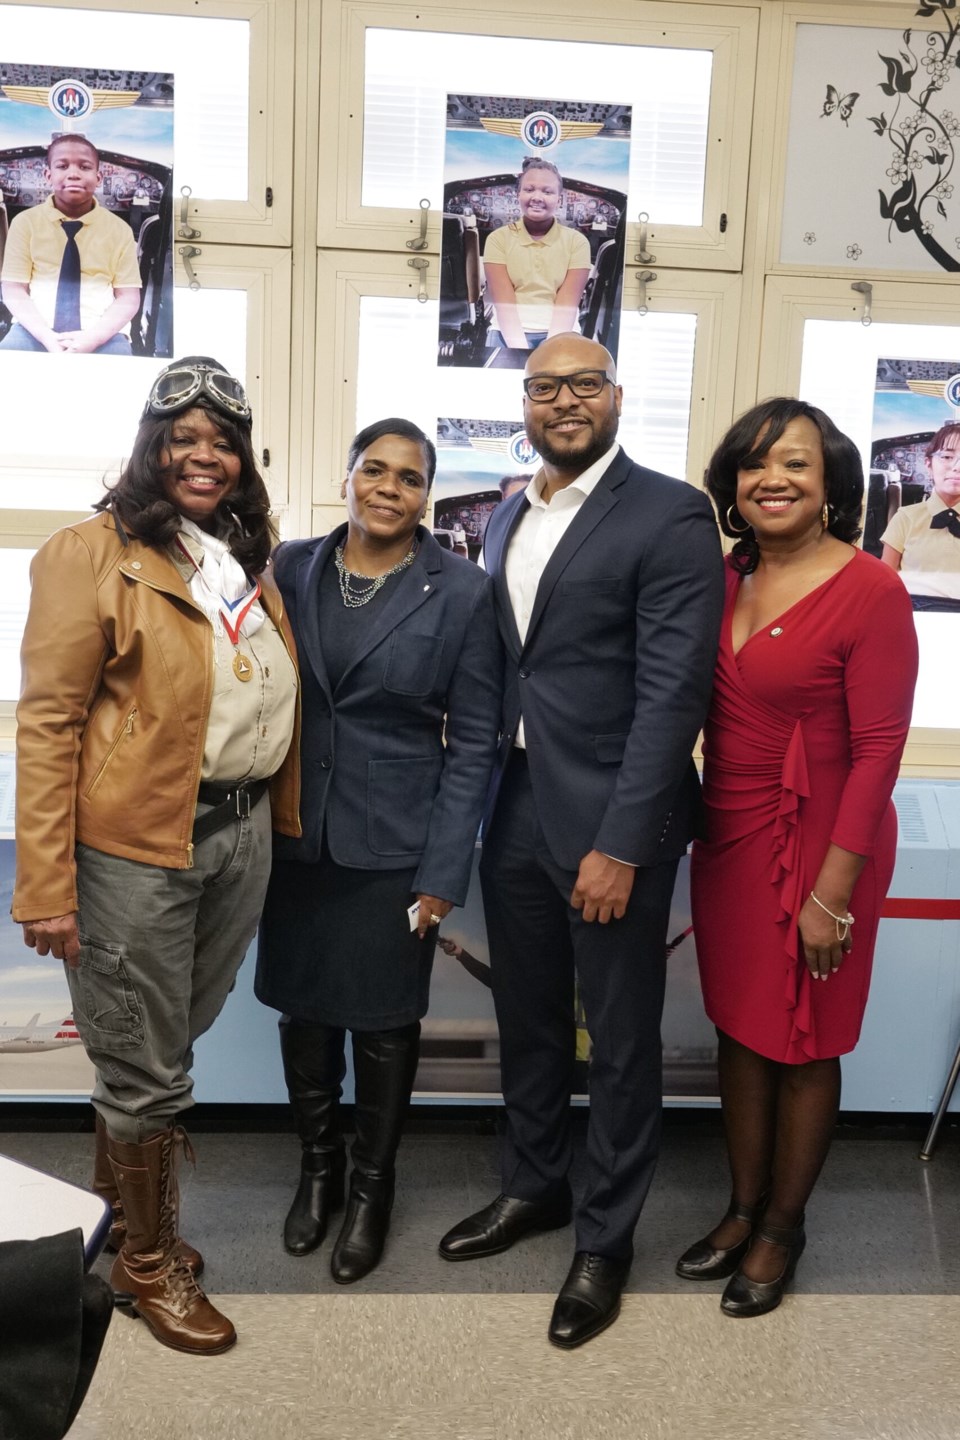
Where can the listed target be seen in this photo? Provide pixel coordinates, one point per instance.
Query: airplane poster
(913, 398)
(479, 463)
(70, 136)
(40, 1051)
(534, 225)
(460, 1049)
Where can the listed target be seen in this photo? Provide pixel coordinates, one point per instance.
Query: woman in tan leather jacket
(159, 703)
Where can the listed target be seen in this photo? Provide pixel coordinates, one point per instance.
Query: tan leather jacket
(117, 681)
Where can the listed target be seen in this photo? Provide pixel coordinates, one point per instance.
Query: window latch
(864, 288)
(422, 266)
(645, 278)
(186, 230)
(420, 243)
(187, 253)
(643, 256)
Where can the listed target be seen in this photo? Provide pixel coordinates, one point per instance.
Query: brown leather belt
(230, 802)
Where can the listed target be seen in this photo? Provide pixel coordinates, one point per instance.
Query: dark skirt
(335, 946)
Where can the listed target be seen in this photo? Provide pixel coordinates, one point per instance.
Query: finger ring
(434, 919)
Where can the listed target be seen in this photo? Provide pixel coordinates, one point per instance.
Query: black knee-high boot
(384, 1064)
(313, 1066)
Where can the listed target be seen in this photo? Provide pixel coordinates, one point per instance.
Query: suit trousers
(540, 946)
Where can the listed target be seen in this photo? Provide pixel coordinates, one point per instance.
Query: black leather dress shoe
(744, 1297)
(589, 1299)
(501, 1224)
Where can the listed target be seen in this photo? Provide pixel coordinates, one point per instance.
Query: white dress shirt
(537, 536)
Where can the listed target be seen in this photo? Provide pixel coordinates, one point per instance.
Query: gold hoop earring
(731, 524)
(825, 515)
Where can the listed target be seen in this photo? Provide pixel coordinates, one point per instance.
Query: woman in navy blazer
(401, 678)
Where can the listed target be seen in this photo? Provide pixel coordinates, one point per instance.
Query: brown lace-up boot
(106, 1186)
(149, 1267)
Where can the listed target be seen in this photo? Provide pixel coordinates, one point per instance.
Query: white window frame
(270, 119)
(729, 31)
(789, 302)
(345, 277)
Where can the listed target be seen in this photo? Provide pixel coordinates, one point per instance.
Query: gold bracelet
(839, 920)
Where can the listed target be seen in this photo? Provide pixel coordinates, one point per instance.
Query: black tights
(779, 1121)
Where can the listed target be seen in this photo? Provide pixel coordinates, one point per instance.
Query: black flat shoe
(744, 1297)
(589, 1299)
(501, 1224)
(704, 1261)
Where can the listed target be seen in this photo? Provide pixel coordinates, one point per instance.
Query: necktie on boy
(67, 313)
(947, 520)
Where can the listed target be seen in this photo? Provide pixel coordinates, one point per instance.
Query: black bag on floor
(53, 1322)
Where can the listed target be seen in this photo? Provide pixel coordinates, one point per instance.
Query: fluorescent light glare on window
(96, 414)
(209, 59)
(409, 73)
(397, 374)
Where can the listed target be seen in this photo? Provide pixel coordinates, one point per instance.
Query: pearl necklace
(353, 598)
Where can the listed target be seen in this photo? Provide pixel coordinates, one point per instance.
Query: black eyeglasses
(585, 385)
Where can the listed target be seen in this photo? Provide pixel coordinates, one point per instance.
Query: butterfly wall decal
(835, 103)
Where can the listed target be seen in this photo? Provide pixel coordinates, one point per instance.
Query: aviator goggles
(585, 385)
(176, 389)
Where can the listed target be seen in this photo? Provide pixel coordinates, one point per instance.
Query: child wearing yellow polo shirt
(70, 275)
(535, 267)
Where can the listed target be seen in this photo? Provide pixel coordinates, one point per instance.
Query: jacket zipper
(126, 730)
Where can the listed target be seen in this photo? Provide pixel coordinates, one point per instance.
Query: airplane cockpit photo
(138, 191)
(472, 210)
(899, 475)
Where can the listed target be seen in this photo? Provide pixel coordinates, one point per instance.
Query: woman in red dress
(810, 712)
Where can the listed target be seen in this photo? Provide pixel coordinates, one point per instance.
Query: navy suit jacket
(396, 760)
(615, 675)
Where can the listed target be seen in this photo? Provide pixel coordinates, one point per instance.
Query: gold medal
(242, 667)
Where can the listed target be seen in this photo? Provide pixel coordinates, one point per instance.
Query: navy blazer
(396, 760)
(615, 675)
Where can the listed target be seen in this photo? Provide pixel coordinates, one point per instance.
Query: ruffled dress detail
(799, 752)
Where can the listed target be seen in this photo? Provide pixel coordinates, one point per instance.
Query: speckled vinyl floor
(863, 1348)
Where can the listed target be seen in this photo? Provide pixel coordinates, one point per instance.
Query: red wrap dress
(801, 748)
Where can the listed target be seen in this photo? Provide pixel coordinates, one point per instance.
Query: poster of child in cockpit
(480, 463)
(534, 223)
(913, 500)
(86, 211)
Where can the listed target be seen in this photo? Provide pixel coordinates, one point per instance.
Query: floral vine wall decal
(920, 134)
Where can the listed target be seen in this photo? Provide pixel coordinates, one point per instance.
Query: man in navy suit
(609, 588)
